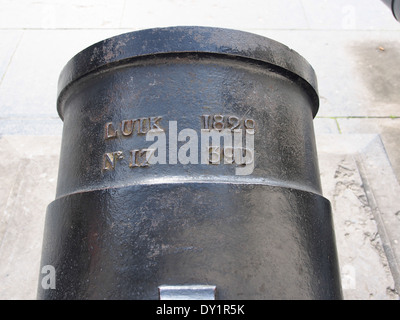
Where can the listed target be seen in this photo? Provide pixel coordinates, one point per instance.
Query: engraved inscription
(226, 139)
(238, 141)
(127, 128)
(220, 122)
(140, 158)
(110, 159)
(231, 155)
(110, 132)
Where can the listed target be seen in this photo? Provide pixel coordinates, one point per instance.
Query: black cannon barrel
(188, 164)
(394, 5)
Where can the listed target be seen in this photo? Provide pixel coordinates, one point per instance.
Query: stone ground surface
(353, 46)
